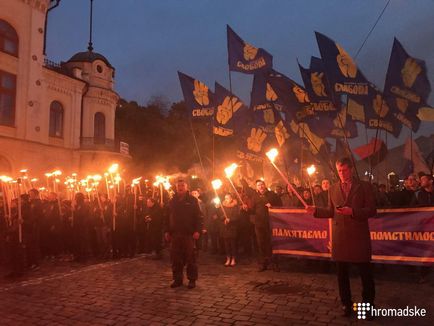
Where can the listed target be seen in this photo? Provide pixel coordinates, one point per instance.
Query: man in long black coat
(351, 203)
(182, 229)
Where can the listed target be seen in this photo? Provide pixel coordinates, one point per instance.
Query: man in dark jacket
(425, 195)
(351, 203)
(262, 200)
(182, 229)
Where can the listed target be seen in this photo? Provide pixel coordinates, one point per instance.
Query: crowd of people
(97, 227)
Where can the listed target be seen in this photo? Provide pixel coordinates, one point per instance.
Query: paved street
(136, 292)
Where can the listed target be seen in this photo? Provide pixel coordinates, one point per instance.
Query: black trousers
(368, 285)
(263, 237)
(182, 252)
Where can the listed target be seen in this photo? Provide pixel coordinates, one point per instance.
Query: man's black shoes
(176, 284)
(191, 284)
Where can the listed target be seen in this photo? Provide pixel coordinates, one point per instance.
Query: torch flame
(311, 169)
(136, 181)
(216, 184)
(114, 168)
(229, 171)
(5, 178)
(216, 201)
(272, 154)
(97, 177)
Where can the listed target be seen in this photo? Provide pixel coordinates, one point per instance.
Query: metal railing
(103, 144)
(51, 64)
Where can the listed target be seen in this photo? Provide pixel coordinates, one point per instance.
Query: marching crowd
(97, 227)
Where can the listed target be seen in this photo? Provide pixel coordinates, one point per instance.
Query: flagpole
(342, 126)
(376, 135)
(196, 145)
(346, 140)
(385, 165)
(411, 148)
(317, 149)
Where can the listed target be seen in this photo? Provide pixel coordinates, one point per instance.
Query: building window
(56, 120)
(99, 128)
(8, 90)
(8, 38)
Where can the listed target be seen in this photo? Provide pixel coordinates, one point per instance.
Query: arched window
(8, 89)
(8, 38)
(56, 119)
(99, 128)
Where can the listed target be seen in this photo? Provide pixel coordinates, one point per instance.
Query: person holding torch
(262, 200)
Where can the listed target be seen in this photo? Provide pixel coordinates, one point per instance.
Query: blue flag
(377, 112)
(341, 70)
(297, 105)
(230, 111)
(295, 98)
(317, 87)
(243, 57)
(407, 86)
(265, 104)
(197, 97)
(254, 141)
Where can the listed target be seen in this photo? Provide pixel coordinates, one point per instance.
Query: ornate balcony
(103, 144)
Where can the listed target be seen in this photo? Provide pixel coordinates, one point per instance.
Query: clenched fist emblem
(281, 133)
(270, 94)
(200, 93)
(250, 51)
(346, 64)
(380, 106)
(225, 110)
(410, 71)
(255, 140)
(317, 84)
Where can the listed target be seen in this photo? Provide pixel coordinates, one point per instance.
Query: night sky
(149, 41)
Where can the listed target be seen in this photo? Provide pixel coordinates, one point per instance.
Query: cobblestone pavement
(136, 292)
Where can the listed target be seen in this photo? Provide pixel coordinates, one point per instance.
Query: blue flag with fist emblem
(197, 96)
(266, 106)
(407, 86)
(244, 57)
(341, 70)
(230, 111)
(317, 87)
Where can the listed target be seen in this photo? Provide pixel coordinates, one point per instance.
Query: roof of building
(89, 56)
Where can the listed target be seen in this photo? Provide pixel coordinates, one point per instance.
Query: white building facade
(52, 116)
